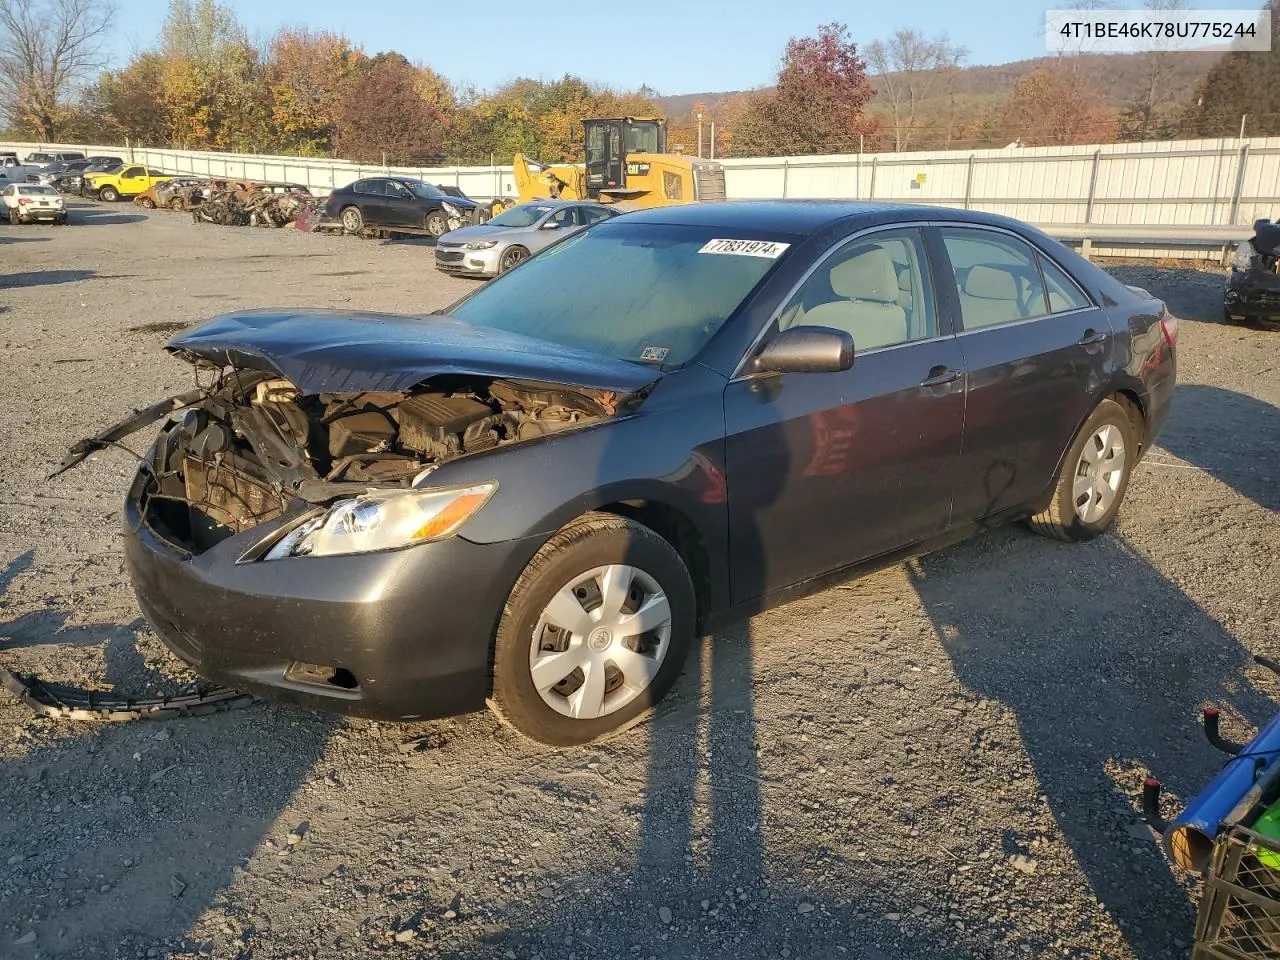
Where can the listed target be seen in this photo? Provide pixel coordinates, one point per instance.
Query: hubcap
(600, 641)
(1099, 473)
(351, 221)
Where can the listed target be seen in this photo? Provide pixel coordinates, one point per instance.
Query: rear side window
(1063, 293)
(997, 277)
(370, 188)
(592, 215)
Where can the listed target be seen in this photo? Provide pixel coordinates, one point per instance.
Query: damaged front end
(1253, 281)
(253, 447)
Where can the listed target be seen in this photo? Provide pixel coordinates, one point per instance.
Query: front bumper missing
(73, 703)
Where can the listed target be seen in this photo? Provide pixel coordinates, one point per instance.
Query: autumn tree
(1057, 105)
(384, 115)
(214, 85)
(308, 75)
(48, 48)
(911, 68)
(818, 105)
(1241, 83)
(127, 104)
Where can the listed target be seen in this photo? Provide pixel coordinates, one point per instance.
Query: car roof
(803, 216)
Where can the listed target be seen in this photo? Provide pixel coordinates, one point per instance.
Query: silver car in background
(492, 248)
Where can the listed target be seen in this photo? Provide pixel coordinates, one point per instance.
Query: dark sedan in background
(1253, 279)
(398, 204)
(540, 497)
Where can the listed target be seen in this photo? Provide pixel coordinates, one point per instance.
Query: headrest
(990, 283)
(868, 276)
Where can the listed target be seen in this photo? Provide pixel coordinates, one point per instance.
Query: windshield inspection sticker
(746, 248)
(654, 353)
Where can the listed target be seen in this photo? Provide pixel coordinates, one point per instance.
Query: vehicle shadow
(6, 239)
(126, 858)
(1108, 695)
(43, 278)
(90, 217)
(1233, 437)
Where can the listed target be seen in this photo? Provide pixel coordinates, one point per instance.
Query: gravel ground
(938, 760)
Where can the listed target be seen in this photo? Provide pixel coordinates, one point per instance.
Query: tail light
(23, 201)
(1169, 327)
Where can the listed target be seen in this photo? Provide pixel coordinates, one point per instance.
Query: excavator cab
(608, 143)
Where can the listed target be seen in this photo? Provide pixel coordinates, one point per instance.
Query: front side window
(425, 191)
(565, 217)
(876, 288)
(658, 292)
(997, 277)
(132, 172)
(592, 215)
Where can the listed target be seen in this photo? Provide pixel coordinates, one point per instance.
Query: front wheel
(594, 632)
(147, 202)
(1093, 478)
(511, 257)
(108, 195)
(14, 218)
(437, 225)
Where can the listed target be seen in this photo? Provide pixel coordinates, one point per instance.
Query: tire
(512, 257)
(108, 194)
(147, 202)
(436, 224)
(14, 218)
(352, 220)
(582, 560)
(1082, 512)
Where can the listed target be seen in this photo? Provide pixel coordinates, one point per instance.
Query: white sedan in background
(25, 202)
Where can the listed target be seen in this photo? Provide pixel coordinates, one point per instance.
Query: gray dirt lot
(939, 760)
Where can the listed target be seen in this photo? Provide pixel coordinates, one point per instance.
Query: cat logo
(637, 169)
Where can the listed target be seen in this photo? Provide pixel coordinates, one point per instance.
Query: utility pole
(1243, 118)
(699, 136)
(713, 139)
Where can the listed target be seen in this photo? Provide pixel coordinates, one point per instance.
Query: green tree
(1239, 84)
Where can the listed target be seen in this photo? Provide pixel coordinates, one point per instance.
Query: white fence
(1193, 183)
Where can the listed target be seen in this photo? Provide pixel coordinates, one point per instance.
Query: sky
(682, 46)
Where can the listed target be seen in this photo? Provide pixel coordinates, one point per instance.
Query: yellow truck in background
(626, 164)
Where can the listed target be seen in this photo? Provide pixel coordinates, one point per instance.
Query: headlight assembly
(481, 244)
(1242, 259)
(383, 520)
(450, 209)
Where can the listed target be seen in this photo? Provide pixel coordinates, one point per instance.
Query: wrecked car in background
(165, 195)
(1253, 281)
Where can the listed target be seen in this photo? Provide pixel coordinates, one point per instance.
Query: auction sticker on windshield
(768, 249)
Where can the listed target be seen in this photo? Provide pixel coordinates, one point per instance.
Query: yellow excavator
(626, 164)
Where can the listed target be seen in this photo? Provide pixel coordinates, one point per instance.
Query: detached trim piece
(72, 703)
(132, 424)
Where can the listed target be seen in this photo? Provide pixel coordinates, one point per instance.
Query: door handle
(940, 377)
(1091, 337)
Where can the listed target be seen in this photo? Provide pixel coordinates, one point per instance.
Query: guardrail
(1109, 236)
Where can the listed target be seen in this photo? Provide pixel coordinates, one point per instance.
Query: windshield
(649, 292)
(642, 138)
(424, 190)
(525, 215)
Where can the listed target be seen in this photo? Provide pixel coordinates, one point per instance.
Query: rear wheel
(511, 257)
(1093, 477)
(352, 221)
(108, 194)
(147, 202)
(594, 632)
(437, 224)
(14, 218)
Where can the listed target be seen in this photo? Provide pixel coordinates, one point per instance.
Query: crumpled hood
(335, 351)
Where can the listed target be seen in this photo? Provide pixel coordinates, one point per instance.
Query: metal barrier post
(1093, 186)
(968, 183)
(1235, 200)
(785, 170)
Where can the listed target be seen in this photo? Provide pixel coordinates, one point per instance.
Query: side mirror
(806, 350)
(551, 225)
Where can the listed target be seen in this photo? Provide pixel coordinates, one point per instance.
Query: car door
(372, 201)
(1037, 350)
(133, 180)
(402, 210)
(826, 469)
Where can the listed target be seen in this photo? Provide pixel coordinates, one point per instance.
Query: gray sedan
(495, 247)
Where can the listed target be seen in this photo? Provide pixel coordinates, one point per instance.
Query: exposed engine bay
(253, 444)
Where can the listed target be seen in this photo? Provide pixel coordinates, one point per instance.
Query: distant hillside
(1120, 77)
